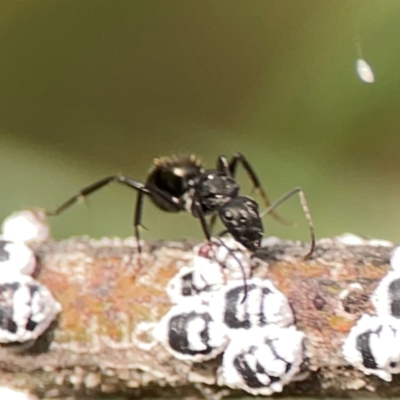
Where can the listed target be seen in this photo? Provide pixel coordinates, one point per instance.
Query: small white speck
(350, 239)
(364, 71)
(270, 241)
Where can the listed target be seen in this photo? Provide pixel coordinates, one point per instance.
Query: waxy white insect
(189, 332)
(386, 297)
(264, 305)
(373, 346)
(7, 393)
(27, 226)
(211, 267)
(16, 258)
(27, 308)
(262, 361)
(395, 259)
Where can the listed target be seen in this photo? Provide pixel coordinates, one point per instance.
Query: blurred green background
(92, 88)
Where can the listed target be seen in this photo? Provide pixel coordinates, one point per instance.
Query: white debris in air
(364, 71)
(28, 226)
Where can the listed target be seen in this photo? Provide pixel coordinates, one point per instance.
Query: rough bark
(105, 295)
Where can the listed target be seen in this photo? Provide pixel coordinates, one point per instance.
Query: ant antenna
(242, 270)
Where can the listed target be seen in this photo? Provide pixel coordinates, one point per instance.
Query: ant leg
(203, 222)
(94, 187)
(137, 219)
(232, 165)
(306, 212)
(224, 166)
(212, 222)
(140, 187)
(199, 212)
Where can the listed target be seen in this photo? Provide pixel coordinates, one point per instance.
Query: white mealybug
(208, 275)
(16, 258)
(395, 259)
(386, 297)
(181, 285)
(263, 305)
(26, 308)
(364, 71)
(263, 360)
(373, 346)
(189, 332)
(28, 226)
(233, 256)
(14, 394)
(217, 262)
(212, 265)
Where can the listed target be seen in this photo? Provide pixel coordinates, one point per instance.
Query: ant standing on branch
(180, 183)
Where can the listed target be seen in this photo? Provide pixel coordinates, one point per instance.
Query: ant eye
(228, 215)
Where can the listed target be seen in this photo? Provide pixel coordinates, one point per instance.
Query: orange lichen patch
(110, 294)
(312, 269)
(340, 324)
(372, 271)
(303, 269)
(165, 274)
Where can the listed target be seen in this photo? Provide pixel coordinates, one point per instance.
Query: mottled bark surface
(105, 294)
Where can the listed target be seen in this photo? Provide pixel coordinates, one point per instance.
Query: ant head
(242, 220)
(215, 188)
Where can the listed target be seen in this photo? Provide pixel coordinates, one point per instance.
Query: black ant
(180, 183)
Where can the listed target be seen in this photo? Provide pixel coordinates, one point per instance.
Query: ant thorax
(212, 189)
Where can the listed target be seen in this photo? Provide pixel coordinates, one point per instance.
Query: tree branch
(105, 297)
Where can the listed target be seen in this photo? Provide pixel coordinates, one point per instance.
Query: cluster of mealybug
(26, 307)
(373, 345)
(216, 312)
